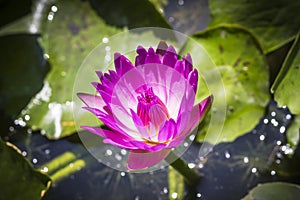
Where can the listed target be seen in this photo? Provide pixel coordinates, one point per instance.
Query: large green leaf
(131, 14)
(244, 74)
(274, 191)
(286, 85)
(18, 179)
(23, 69)
(73, 33)
(272, 23)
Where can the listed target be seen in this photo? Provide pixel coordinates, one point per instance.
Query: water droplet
(54, 9)
(34, 161)
(185, 144)
(282, 129)
(45, 169)
(123, 173)
(47, 151)
(107, 48)
(266, 121)
(11, 128)
(273, 114)
(108, 152)
(283, 148)
(253, 170)
(278, 161)
(43, 132)
(105, 40)
(137, 198)
(165, 190)
(191, 165)
(278, 142)
(200, 165)
(180, 2)
(118, 157)
(71, 165)
(171, 19)
(273, 172)
(50, 16)
(274, 122)
(198, 195)
(227, 154)
(123, 152)
(46, 56)
(246, 159)
(192, 137)
(107, 58)
(27, 117)
(262, 137)
(63, 73)
(24, 153)
(29, 131)
(174, 195)
(288, 116)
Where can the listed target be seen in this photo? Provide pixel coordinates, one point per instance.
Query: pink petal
(152, 57)
(91, 100)
(139, 124)
(167, 131)
(122, 64)
(142, 53)
(170, 57)
(138, 160)
(161, 48)
(112, 137)
(187, 122)
(193, 79)
(188, 66)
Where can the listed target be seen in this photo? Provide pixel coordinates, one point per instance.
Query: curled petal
(193, 79)
(122, 64)
(167, 131)
(138, 160)
(188, 66)
(91, 100)
(142, 53)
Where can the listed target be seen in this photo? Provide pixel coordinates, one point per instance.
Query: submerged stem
(191, 176)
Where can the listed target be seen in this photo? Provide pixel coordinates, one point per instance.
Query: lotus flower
(148, 107)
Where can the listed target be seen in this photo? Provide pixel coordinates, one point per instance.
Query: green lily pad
(73, 33)
(18, 179)
(274, 191)
(286, 85)
(239, 82)
(273, 24)
(131, 14)
(24, 69)
(293, 132)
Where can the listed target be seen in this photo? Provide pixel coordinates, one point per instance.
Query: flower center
(151, 109)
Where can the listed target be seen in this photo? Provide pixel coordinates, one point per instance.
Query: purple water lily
(148, 107)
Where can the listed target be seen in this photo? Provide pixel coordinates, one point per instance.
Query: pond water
(228, 171)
